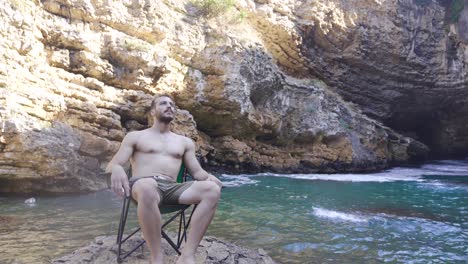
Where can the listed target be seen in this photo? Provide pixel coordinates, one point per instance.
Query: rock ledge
(211, 250)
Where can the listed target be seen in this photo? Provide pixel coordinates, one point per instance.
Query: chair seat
(166, 209)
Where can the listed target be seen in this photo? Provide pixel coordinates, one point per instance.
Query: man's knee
(212, 191)
(146, 194)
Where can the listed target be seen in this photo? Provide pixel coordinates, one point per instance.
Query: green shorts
(169, 191)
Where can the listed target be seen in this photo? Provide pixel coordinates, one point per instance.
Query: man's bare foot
(186, 259)
(156, 261)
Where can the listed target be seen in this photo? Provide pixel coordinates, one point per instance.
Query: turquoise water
(403, 215)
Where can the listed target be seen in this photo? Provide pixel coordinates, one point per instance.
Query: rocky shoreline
(211, 250)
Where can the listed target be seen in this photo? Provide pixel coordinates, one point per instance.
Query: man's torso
(157, 154)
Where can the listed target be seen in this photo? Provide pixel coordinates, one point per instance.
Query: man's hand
(120, 184)
(215, 180)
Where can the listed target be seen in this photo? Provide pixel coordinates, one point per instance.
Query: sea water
(402, 215)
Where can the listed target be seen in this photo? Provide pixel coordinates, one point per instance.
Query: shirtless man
(158, 152)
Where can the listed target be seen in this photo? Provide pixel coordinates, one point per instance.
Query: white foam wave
(446, 169)
(236, 180)
(442, 186)
(395, 174)
(335, 215)
(453, 162)
(442, 168)
(390, 221)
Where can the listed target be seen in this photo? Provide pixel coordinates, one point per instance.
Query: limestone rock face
(401, 62)
(210, 251)
(267, 85)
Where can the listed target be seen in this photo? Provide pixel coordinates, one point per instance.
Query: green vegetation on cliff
(213, 8)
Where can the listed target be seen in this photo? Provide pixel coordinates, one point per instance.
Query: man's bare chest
(161, 148)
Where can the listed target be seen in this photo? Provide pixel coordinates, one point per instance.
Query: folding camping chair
(175, 210)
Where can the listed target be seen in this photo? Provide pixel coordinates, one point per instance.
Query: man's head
(163, 108)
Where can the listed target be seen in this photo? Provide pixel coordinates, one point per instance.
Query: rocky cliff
(300, 86)
(402, 62)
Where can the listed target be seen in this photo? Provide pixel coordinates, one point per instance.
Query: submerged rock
(211, 250)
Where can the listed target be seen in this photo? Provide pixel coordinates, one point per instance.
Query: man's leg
(145, 192)
(206, 194)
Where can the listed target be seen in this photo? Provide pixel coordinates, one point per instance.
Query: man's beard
(165, 119)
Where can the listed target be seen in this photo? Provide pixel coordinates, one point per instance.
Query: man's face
(164, 111)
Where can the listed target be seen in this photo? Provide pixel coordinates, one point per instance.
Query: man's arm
(119, 178)
(194, 167)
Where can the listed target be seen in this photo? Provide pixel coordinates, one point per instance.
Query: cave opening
(428, 128)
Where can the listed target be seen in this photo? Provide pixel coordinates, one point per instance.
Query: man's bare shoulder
(132, 136)
(186, 140)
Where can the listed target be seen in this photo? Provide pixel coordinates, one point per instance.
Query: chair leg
(169, 240)
(183, 226)
(123, 220)
(188, 222)
(179, 234)
(119, 232)
(133, 250)
(182, 232)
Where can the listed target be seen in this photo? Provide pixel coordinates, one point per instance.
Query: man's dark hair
(156, 98)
